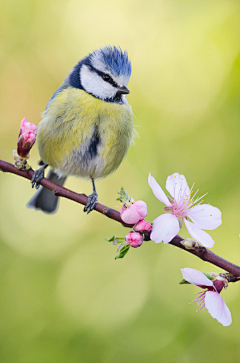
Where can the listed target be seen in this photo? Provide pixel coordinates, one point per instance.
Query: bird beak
(123, 90)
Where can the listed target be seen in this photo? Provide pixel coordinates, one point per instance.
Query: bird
(87, 126)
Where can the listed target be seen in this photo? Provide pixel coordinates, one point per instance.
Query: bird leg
(38, 176)
(92, 199)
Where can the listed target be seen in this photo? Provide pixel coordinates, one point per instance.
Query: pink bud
(130, 215)
(141, 208)
(135, 212)
(135, 239)
(26, 138)
(25, 143)
(142, 226)
(27, 126)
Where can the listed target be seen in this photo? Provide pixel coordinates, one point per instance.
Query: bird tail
(44, 199)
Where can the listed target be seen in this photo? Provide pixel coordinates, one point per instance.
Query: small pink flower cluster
(134, 212)
(26, 139)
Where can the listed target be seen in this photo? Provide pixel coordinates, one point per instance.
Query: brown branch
(204, 253)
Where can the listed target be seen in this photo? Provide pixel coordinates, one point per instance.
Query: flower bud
(25, 143)
(134, 211)
(135, 239)
(26, 138)
(27, 126)
(141, 208)
(190, 244)
(142, 226)
(130, 216)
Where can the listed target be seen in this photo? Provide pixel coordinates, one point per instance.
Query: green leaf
(184, 282)
(122, 251)
(114, 239)
(111, 239)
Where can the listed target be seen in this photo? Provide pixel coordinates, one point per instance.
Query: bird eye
(106, 77)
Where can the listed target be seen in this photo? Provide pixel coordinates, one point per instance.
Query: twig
(204, 254)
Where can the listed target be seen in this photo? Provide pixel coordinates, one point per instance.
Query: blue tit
(87, 126)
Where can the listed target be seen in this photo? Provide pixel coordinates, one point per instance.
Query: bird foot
(92, 200)
(38, 176)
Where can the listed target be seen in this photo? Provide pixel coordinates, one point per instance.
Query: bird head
(104, 74)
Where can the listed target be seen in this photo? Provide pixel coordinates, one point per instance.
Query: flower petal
(165, 227)
(141, 208)
(205, 216)
(199, 235)
(23, 123)
(217, 308)
(195, 277)
(157, 190)
(130, 216)
(176, 185)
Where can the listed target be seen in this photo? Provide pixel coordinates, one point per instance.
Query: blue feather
(115, 59)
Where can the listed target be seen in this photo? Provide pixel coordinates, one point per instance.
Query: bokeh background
(63, 297)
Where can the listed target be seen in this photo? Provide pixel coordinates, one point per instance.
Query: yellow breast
(82, 135)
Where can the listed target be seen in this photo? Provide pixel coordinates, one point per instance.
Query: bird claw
(92, 200)
(37, 177)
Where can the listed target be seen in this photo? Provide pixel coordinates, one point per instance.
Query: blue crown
(114, 60)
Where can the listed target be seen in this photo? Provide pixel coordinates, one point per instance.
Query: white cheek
(95, 85)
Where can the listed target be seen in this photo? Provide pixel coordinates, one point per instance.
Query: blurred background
(63, 297)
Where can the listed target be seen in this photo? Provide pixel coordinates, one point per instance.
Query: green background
(63, 297)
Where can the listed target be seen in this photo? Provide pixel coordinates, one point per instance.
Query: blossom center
(183, 201)
(200, 300)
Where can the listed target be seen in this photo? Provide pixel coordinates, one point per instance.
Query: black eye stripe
(105, 77)
(109, 79)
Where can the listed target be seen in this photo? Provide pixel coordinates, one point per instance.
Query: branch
(204, 253)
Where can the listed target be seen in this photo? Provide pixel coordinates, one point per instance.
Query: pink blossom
(27, 137)
(27, 126)
(142, 226)
(132, 212)
(210, 298)
(135, 239)
(182, 206)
